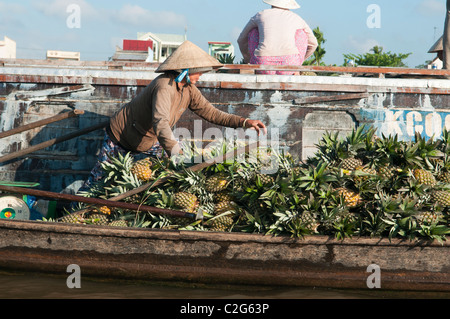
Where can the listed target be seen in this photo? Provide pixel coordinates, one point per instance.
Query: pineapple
(185, 201)
(308, 221)
(98, 219)
(351, 199)
(351, 163)
(142, 169)
(105, 210)
(216, 183)
(118, 223)
(444, 177)
(221, 223)
(223, 197)
(365, 169)
(266, 180)
(428, 218)
(442, 198)
(386, 171)
(223, 207)
(73, 219)
(424, 177)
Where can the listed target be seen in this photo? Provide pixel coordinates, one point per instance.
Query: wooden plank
(52, 119)
(330, 98)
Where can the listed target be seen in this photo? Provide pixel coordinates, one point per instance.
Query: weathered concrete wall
(32, 92)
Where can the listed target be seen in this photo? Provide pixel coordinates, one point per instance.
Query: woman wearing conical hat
(277, 36)
(145, 124)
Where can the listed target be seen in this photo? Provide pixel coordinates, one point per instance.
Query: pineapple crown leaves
(115, 166)
(316, 178)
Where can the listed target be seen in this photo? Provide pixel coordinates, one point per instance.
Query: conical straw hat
(438, 46)
(285, 4)
(189, 56)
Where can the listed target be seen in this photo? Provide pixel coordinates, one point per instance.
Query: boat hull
(224, 258)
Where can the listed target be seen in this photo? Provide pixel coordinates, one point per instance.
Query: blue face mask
(184, 74)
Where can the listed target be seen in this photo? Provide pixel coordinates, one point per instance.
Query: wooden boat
(70, 102)
(224, 258)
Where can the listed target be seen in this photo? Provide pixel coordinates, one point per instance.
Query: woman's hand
(256, 125)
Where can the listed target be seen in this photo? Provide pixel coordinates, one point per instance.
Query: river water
(39, 286)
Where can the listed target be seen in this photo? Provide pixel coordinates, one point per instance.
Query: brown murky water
(37, 286)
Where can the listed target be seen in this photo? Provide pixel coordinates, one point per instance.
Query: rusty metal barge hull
(223, 258)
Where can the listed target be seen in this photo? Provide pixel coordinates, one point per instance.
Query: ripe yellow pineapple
(226, 206)
(104, 210)
(186, 201)
(221, 223)
(424, 177)
(351, 199)
(142, 169)
(441, 197)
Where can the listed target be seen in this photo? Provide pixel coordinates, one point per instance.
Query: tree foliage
(318, 55)
(376, 57)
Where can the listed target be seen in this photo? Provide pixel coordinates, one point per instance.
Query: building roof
(162, 37)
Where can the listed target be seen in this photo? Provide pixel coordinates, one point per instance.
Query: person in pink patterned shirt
(277, 36)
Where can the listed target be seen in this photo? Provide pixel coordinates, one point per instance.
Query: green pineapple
(308, 221)
(216, 183)
(367, 173)
(118, 223)
(98, 219)
(223, 197)
(266, 180)
(444, 177)
(351, 163)
(429, 218)
(387, 171)
(72, 219)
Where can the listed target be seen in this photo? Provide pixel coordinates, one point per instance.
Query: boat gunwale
(191, 235)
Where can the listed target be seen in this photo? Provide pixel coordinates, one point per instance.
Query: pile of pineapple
(358, 185)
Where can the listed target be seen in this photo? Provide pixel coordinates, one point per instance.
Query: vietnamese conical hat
(189, 56)
(438, 46)
(285, 4)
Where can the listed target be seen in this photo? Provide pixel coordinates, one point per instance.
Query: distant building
(222, 50)
(7, 48)
(163, 44)
(134, 51)
(437, 48)
(63, 55)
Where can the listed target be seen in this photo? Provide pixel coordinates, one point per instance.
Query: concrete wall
(33, 90)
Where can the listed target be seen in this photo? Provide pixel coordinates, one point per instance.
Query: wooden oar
(49, 120)
(95, 201)
(51, 142)
(195, 168)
